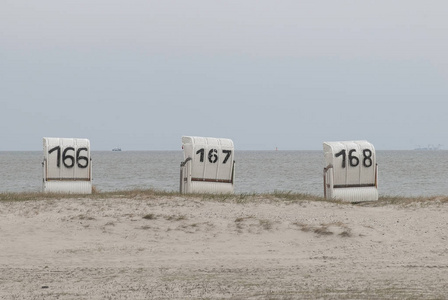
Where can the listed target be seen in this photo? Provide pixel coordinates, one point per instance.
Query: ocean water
(401, 173)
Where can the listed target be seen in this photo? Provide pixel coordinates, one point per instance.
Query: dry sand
(173, 247)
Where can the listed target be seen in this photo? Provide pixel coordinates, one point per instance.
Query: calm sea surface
(403, 173)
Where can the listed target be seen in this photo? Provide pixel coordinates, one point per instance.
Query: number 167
(213, 155)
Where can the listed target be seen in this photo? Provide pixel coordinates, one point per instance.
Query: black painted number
(353, 160)
(68, 157)
(58, 161)
(201, 152)
(68, 160)
(367, 162)
(80, 158)
(227, 153)
(212, 155)
(344, 154)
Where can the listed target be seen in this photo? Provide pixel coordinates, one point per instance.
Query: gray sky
(286, 74)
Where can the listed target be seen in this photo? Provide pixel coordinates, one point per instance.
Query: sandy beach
(241, 247)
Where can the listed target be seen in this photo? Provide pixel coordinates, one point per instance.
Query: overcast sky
(286, 74)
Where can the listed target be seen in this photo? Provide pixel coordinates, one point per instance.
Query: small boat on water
(116, 149)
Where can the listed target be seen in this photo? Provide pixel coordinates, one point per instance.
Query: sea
(401, 173)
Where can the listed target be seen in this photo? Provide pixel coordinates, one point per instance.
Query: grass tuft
(405, 201)
(325, 229)
(150, 217)
(176, 218)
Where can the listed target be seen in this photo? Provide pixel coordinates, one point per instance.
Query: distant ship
(116, 149)
(429, 148)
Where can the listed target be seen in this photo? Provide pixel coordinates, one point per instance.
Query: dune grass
(132, 194)
(276, 196)
(400, 200)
